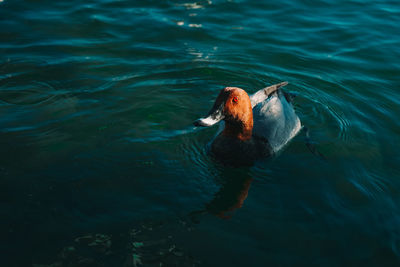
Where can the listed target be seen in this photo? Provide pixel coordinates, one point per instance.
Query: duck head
(234, 107)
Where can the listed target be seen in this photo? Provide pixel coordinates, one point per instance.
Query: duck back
(275, 120)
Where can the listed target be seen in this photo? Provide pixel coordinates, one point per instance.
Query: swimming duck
(255, 126)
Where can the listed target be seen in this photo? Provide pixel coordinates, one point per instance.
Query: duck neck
(240, 130)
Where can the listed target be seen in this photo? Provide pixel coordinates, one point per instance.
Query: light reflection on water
(97, 102)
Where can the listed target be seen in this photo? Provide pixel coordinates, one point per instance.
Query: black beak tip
(197, 123)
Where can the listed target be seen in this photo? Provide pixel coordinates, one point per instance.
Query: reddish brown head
(234, 107)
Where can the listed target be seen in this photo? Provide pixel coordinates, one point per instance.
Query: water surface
(97, 101)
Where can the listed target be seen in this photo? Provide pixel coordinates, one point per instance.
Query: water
(97, 101)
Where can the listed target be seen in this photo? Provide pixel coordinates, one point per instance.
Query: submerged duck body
(255, 126)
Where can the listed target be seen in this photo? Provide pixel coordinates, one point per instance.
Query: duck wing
(263, 94)
(274, 116)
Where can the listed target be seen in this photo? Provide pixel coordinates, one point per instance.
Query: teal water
(97, 101)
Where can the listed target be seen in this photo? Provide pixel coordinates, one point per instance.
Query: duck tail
(273, 88)
(263, 94)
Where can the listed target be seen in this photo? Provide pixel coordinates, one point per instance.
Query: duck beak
(215, 115)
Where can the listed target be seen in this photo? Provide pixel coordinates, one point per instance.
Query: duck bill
(215, 115)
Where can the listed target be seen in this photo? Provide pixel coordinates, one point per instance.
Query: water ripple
(106, 92)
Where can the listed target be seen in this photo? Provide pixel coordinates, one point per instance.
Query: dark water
(96, 104)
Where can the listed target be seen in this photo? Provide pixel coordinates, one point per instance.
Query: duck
(254, 126)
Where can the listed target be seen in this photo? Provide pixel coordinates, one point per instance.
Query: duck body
(255, 126)
(275, 119)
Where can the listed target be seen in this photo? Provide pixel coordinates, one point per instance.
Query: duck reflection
(230, 197)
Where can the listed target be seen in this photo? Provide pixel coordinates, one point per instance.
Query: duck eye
(235, 99)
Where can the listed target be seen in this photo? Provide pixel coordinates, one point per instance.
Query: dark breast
(236, 152)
